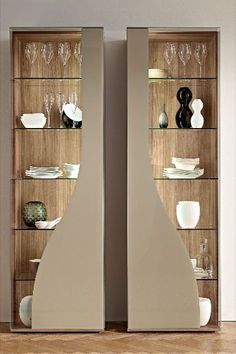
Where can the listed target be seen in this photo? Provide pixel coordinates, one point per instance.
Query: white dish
(73, 112)
(35, 260)
(155, 73)
(41, 175)
(47, 224)
(33, 120)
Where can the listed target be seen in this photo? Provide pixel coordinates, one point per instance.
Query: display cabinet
(57, 134)
(173, 169)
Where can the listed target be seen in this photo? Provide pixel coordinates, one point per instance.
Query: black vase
(184, 114)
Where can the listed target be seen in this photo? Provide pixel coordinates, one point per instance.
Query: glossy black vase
(184, 114)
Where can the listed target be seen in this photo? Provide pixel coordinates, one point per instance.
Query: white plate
(73, 112)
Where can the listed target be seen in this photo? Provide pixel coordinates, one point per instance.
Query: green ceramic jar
(34, 211)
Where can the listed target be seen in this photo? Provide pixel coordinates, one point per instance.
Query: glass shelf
(180, 129)
(180, 78)
(47, 78)
(198, 229)
(43, 179)
(40, 129)
(31, 229)
(213, 278)
(184, 179)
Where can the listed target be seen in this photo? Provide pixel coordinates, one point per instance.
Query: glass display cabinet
(172, 180)
(57, 182)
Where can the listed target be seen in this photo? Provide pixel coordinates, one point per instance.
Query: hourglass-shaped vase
(197, 119)
(184, 114)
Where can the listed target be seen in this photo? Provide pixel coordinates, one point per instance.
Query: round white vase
(205, 310)
(25, 310)
(188, 214)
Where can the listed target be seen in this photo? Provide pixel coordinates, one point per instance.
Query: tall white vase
(197, 119)
(205, 310)
(188, 214)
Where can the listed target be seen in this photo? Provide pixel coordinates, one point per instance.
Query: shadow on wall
(115, 179)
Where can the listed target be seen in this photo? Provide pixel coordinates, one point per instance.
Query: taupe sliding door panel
(68, 290)
(162, 290)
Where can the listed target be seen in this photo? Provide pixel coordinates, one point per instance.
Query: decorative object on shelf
(157, 73)
(47, 52)
(169, 54)
(34, 264)
(48, 102)
(61, 101)
(185, 169)
(200, 54)
(78, 55)
(44, 172)
(197, 119)
(205, 310)
(34, 211)
(64, 52)
(184, 54)
(188, 164)
(163, 118)
(193, 262)
(47, 224)
(188, 214)
(72, 116)
(200, 273)
(184, 114)
(25, 310)
(204, 259)
(33, 120)
(31, 52)
(71, 170)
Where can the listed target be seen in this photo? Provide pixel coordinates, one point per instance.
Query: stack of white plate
(71, 170)
(184, 169)
(48, 224)
(44, 172)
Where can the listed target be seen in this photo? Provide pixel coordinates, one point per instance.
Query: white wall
(115, 16)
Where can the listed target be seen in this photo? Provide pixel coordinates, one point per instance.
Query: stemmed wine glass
(64, 51)
(31, 52)
(77, 54)
(184, 54)
(48, 102)
(73, 101)
(61, 101)
(200, 54)
(47, 52)
(169, 55)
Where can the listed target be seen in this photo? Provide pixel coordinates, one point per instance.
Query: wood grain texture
(205, 192)
(165, 91)
(191, 239)
(55, 194)
(156, 49)
(165, 144)
(115, 340)
(209, 289)
(46, 148)
(29, 245)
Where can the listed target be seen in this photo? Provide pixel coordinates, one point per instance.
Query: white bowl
(34, 120)
(157, 73)
(25, 310)
(188, 214)
(205, 310)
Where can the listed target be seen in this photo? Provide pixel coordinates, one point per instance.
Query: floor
(116, 340)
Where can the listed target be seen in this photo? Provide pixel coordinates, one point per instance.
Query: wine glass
(169, 54)
(31, 52)
(48, 102)
(61, 101)
(73, 101)
(184, 54)
(77, 54)
(47, 52)
(64, 51)
(200, 54)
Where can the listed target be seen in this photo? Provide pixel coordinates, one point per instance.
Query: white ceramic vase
(25, 310)
(163, 118)
(188, 214)
(197, 119)
(205, 310)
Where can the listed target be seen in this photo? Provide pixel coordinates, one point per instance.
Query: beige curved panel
(162, 291)
(68, 292)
